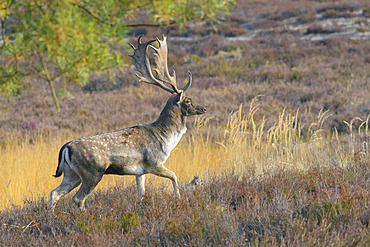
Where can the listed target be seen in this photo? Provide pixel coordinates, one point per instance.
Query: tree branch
(50, 80)
(124, 25)
(149, 24)
(90, 13)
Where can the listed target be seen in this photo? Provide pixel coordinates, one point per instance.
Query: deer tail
(64, 157)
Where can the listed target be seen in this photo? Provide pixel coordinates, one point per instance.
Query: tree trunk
(56, 103)
(50, 81)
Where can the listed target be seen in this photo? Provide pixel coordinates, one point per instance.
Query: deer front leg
(140, 182)
(166, 173)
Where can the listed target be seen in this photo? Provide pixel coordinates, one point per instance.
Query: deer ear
(179, 96)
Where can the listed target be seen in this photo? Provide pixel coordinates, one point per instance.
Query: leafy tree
(73, 38)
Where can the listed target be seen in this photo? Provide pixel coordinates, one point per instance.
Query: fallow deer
(137, 150)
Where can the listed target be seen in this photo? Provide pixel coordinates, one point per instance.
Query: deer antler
(143, 69)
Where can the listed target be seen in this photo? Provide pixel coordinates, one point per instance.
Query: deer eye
(188, 101)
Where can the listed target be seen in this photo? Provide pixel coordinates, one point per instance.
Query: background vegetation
(283, 153)
(72, 39)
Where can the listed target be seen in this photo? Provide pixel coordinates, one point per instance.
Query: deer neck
(170, 127)
(171, 121)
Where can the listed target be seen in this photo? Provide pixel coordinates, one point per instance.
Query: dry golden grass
(236, 146)
(27, 169)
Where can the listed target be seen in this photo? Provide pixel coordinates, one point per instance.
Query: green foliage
(230, 67)
(126, 222)
(75, 38)
(170, 11)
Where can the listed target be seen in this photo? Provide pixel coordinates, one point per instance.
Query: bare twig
(149, 24)
(24, 228)
(29, 224)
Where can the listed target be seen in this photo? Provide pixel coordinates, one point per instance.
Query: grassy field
(273, 186)
(282, 153)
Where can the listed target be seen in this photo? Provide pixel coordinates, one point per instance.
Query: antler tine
(189, 82)
(142, 65)
(160, 59)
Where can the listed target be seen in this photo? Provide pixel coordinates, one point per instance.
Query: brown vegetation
(320, 206)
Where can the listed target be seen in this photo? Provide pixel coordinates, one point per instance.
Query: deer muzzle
(200, 110)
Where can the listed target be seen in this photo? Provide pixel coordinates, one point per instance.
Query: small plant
(128, 222)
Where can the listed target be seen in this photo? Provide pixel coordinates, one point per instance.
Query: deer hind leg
(70, 181)
(89, 182)
(140, 182)
(166, 173)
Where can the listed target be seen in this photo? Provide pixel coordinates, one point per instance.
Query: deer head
(163, 79)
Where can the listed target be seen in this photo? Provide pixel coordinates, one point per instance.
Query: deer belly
(123, 164)
(138, 169)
